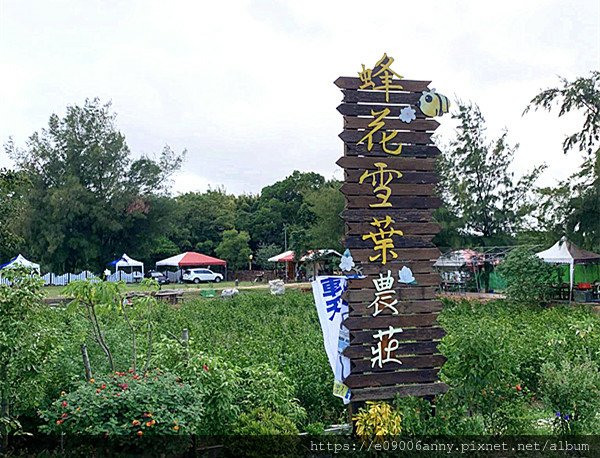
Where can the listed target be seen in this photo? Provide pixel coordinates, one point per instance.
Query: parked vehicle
(198, 275)
(161, 278)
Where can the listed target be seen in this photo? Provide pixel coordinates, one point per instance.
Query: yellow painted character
(433, 104)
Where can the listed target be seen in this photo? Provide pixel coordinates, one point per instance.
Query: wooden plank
(422, 177)
(409, 229)
(418, 125)
(384, 322)
(402, 98)
(377, 151)
(417, 267)
(397, 188)
(424, 333)
(358, 366)
(354, 242)
(416, 241)
(348, 82)
(415, 138)
(428, 279)
(402, 294)
(401, 164)
(354, 109)
(424, 389)
(399, 216)
(404, 254)
(391, 378)
(414, 348)
(396, 202)
(360, 308)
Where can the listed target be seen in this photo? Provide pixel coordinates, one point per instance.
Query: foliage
(12, 189)
(529, 279)
(127, 403)
(327, 204)
(476, 183)
(262, 421)
(572, 391)
(263, 253)
(573, 207)
(86, 189)
(234, 248)
(27, 346)
(279, 435)
(377, 421)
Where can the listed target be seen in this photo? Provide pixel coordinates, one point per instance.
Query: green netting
(583, 273)
(497, 283)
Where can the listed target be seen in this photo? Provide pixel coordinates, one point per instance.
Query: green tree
(202, 218)
(87, 192)
(327, 229)
(263, 253)
(235, 249)
(28, 345)
(476, 184)
(12, 190)
(529, 280)
(282, 209)
(573, 207)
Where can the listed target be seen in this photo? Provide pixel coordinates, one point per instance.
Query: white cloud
(247, 86)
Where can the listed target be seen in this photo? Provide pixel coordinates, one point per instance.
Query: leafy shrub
(278, 435)
(377, 421)
(529, 280)
(572, 391)
(126, 404)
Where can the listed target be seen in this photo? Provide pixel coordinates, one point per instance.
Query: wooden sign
(389, 187)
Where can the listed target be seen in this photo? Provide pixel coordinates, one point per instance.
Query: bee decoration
(433, 104)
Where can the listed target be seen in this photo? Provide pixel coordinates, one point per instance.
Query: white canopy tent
(127, 262)
(565, 252)
(21, 261)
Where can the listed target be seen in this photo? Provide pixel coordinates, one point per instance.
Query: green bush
(572, 391)
(127, 404)
(529, 280)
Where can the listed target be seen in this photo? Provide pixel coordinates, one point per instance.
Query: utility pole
(285, 249)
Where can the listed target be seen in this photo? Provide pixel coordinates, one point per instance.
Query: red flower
(130, 371)
(59, 422)
(65, 415)
(65, 404)
(103, 386)
(518, 387)
(98, 390)
(140, 433)
(135, 423)
(136, 377)
(205, 367)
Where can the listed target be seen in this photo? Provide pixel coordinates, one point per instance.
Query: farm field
(255, 364)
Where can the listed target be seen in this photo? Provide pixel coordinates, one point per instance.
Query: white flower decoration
(347, 263)
(406, 276)
(407, 114)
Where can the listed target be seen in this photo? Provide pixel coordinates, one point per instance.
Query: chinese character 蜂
(383, 239)
(382, 353)
(382, 72)
(384, 297)
(380, 179)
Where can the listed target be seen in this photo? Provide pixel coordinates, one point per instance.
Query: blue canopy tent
(128, 265)
(21, 261)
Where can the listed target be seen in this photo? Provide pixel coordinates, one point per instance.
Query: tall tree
(12, 190)
(234, 249)
(483, 198)
(87, 191)
(327, 229)
(573, 207)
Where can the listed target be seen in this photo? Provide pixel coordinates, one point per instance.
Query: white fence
(51, 279)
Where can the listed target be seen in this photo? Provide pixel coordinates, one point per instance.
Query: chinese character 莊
(382, 353)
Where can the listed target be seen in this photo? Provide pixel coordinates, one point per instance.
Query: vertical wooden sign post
(389, 178)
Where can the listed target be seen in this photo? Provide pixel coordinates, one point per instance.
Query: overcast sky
(247, 86)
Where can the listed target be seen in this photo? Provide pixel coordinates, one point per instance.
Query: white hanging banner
(332, 310)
